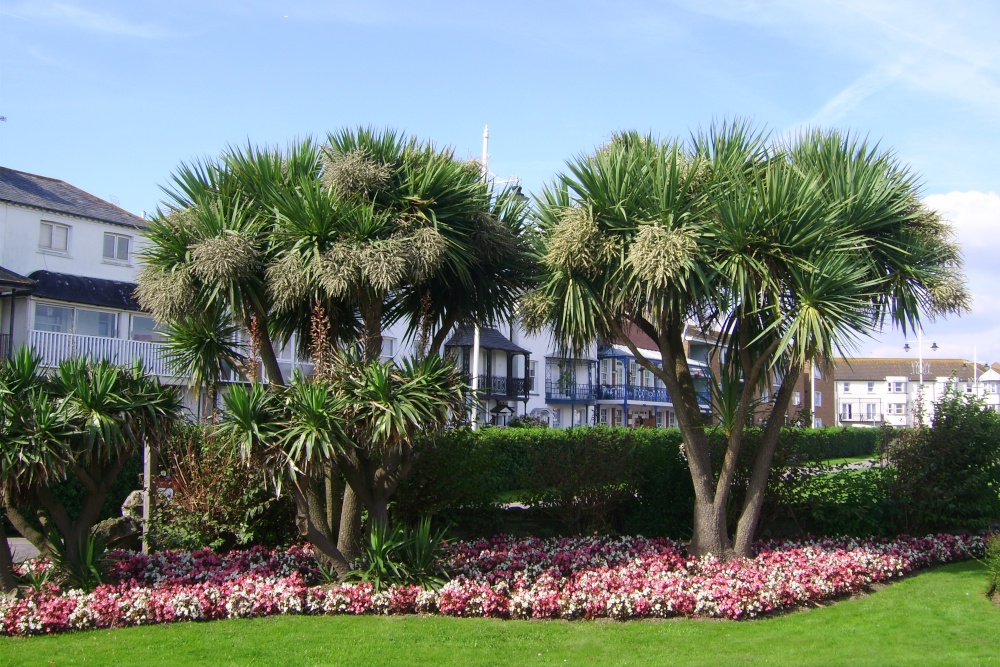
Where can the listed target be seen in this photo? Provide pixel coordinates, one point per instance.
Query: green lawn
(937, 618)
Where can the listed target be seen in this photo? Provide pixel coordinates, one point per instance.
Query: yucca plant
(85, 420)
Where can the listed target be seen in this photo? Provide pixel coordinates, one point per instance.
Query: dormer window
(116, 247)
(53, 237)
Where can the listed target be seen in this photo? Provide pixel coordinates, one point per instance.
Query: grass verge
(940, 617)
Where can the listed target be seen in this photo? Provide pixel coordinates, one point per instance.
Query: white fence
(57, 347)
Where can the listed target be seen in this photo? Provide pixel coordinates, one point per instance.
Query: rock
(121, 533)
(132, 507)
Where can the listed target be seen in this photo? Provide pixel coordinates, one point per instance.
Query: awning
(14, 281)
(489, 339)
(114, 294)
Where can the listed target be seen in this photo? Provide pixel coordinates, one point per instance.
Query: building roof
(489, 339)
(848, 369)
(50, 194)
(99, 292)
(11, 280)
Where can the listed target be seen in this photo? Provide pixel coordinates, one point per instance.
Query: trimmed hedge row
(589, 478)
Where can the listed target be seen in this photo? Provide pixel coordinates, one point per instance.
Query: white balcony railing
(57, 347)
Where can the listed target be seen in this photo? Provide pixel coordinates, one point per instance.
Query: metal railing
(491, 385)
(561, 391)
(57, 347)
(5, 350)
(620, 392)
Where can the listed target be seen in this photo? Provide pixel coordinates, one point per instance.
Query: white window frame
(52, 226)
(818, 399)
(871, 387)
(847, 387)
(117, 240)
(796, 398)
(532, 375)
(75, 310)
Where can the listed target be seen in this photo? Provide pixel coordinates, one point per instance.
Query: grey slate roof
(50, 194)
(863, 369)
(11, 280)
(99, 292)
(489, 339)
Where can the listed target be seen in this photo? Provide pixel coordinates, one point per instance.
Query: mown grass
(940, 617)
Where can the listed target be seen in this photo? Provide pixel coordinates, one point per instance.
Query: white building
(870, 392)
(67, 266)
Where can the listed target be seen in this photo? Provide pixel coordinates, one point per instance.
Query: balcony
(562, 392)
(860, 411)
(620, 392)
(58, 347)
(491, 386)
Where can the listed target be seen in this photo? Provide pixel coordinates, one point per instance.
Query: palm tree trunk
(7, 580)
(349, 538)
(746, 530)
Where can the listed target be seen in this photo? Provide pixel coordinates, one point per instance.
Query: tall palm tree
(787, 251)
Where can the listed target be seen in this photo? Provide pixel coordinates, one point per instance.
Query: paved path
(21, 549)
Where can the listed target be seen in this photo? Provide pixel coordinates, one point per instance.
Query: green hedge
(609, 479)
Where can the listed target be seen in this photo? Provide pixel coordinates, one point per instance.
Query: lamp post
(920, 361)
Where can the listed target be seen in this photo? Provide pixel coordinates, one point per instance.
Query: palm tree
(85, 420)
(372, 227)
(788, 252)
(202, 348)
(362, 415)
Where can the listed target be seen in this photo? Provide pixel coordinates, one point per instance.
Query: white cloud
(975, 217)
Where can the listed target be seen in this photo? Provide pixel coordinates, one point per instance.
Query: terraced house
(67, 271)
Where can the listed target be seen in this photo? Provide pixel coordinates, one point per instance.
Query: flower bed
(585, 577)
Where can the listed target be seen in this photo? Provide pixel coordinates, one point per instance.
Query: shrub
(948, 475)
(582, 475)
(215, 499)
(992, 564)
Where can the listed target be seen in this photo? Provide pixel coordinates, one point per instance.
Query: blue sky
(111, 96)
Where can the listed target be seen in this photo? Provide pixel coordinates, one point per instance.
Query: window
(80, 321)
(796, 398)
(53, 318)
(96, 323)
(144, 328)
(897, 387)
(819, 422)
(633, 372)
(388, 347)
(871, 412)
(819, 399)
(557, 418)
(532, 372)
(116, 247)
(604, 416)
(896, 408)
(871, 387)
(53, 236)
(846, 412)
(847, 387)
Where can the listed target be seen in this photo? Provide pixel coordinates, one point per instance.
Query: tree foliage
(85, 420)
(785, 251)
